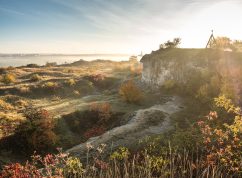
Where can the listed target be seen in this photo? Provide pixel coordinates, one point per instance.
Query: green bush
(35, 78)
(70, 82)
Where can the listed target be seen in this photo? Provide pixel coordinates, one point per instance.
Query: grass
(61, 90)
(121, 163)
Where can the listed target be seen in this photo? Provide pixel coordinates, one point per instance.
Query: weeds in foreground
(120, 164)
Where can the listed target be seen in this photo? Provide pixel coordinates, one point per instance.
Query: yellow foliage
(227, 104)
(36, 78)
(121, 154)
(73, 167)
(50, 85)
(71, 82)
(8, 78)
(5, 106)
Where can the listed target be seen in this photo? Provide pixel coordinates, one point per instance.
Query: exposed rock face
(176, 64)
(144, 122)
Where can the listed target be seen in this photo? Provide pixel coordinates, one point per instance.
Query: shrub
(52, 165)
(70, 82)
(73, 167)
(130, 92)
(35, 78)
(222, 143)
(103, 110)
(120, 154)
(228, 90)
(133, 59)
(32, 65)
(50, 85)
(5, 106)
(95, 131)
(37, 131)
(203, 94)
(136, 69)
(8, 78)
(51, 64)
(3, 70)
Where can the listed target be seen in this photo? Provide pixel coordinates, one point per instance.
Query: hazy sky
(113, 26)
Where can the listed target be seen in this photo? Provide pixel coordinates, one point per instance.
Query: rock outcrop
(177, 64)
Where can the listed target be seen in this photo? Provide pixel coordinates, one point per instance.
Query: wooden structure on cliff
(211, 42)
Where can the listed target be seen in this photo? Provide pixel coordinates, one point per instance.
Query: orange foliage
(130, 92)
(221, 144)
(103, 110)
(38, 130)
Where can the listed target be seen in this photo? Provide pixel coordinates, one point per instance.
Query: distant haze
(40, 59)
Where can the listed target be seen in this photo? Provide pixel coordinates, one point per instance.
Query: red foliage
(95, 131)
(17, 170)
(39, 167)
(97, 77)
(221, 146)
(101, 164)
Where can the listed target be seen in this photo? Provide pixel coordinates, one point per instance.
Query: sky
(113, 26)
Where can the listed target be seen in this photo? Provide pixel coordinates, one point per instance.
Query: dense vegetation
(216, 152)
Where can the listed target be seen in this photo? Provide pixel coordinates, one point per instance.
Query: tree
(237, 45)
(171, 44)
(223, 43)
(226, 43)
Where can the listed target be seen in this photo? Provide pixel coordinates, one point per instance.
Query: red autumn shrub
(223, 144)
(51, 165)
(97, 77)
(95, 131)
(101, 164)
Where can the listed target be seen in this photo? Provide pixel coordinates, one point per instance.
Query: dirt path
(144, 122)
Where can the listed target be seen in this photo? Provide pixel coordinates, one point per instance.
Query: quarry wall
(176, 64)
